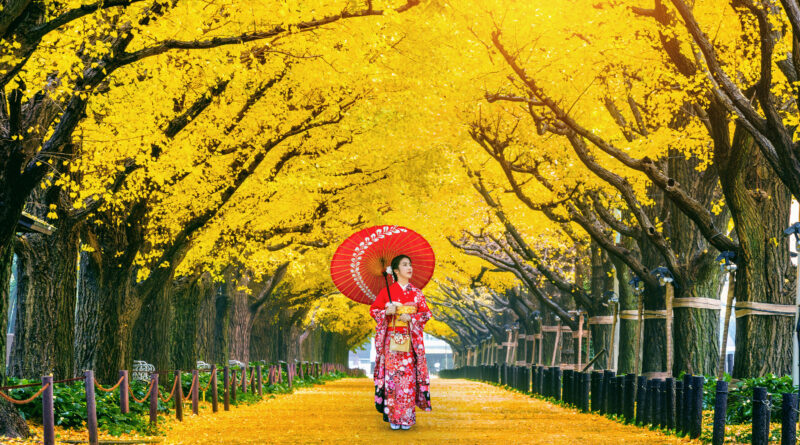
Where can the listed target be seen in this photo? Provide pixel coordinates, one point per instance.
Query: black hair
(396, 264)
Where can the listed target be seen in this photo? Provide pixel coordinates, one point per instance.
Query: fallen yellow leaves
(464, 412)
(341, 411)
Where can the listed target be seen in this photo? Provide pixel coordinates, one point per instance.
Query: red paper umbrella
(357, 266)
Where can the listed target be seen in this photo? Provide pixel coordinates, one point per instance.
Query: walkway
(464, 412)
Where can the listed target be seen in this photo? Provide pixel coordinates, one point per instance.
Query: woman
(401, 378)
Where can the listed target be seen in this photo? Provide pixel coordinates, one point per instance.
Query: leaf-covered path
(463, 412)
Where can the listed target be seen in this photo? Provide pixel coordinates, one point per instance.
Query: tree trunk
(241, 325)
(11, 423)
(600, 283)
(106, 303)
(222, 312)
(760, 206)
(696, 330)
(207, 314)
(152, 328)
(86, 314)
(189, 301)
(654, 339)
(627, 327)
(45, 321)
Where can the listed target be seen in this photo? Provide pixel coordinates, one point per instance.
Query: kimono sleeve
(422, 316)
(378, 307)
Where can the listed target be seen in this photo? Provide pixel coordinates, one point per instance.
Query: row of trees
(198, 164)
(633, 166)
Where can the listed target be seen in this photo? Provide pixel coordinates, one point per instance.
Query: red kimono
(401, 378)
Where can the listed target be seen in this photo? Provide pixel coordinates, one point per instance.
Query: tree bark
(760, 205)
(207, 313)
(153, 327)
(240, 327)
(11, 423)
(601, 334)
(190, 308)
(627, 327)
(45, 321)
(87, 314)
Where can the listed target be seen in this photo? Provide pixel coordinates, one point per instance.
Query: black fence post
(788, 419)
(586, 381)
(697, 406)
(670, 401)
(630, 394)
(720, 413)
(655, 402)
(607, 394)
(687, 405)
(650, 403)
(620, 403)
(641, 400)
(566, 389)
(679, 407)
(557, 383)
(597, 391)
(760, 416)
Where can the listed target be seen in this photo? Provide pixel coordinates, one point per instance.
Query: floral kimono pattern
(401, 378)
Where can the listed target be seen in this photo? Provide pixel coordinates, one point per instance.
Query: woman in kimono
(401, 378)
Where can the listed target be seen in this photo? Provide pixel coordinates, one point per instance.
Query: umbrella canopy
(357, 266)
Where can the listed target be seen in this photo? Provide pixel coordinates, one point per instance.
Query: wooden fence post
(91, 406)
(48, 418)
(153, 398)
(244, 379)
(214, 394)
(252, 379)
(226, 402)
(196, 392)
(233, 385)
(124, 400)
(260, 381)
(178, 396)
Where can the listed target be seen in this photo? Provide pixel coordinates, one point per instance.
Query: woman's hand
(405, 318)
(391, 308)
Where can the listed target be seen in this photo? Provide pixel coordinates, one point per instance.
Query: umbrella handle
(388, 293)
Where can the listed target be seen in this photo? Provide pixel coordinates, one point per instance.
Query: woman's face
(404, 269)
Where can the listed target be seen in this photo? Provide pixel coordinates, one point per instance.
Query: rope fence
(28, 400)
(153, 395)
